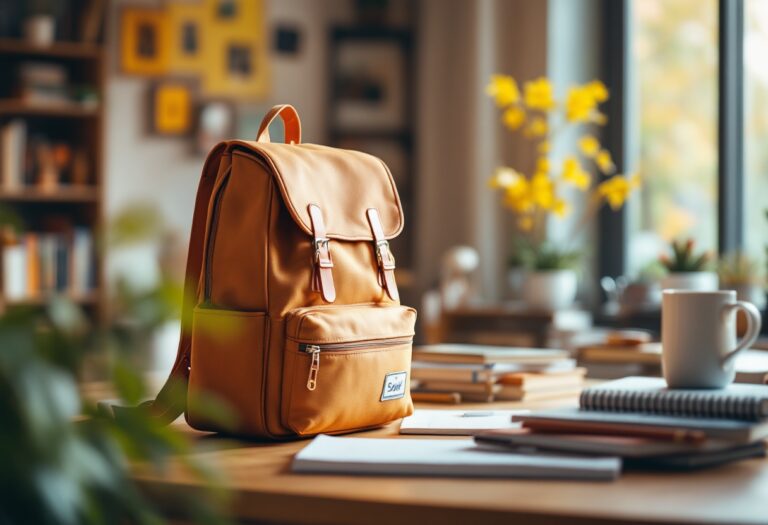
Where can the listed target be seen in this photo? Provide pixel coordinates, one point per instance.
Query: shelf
(83, 300)
(20, 107)
(69, 50)
(71, 194)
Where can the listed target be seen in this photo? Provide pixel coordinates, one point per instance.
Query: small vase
(692, 281)
(40, 30)
(550, 289)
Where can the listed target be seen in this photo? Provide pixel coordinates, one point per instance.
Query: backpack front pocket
(346, 367)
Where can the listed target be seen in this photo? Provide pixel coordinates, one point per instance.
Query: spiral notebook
(650, 395)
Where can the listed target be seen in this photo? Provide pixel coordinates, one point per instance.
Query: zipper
(314, 351)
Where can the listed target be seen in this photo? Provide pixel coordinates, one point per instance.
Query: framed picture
(144, 41)
(215, 122)
(369, 84)
(171, 108)
(186, 26)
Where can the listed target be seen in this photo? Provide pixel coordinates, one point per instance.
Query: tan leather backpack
(297, 322)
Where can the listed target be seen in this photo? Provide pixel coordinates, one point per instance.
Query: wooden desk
(266, 491)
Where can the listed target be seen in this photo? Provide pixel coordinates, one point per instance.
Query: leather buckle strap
(384, 257)
(322, 274)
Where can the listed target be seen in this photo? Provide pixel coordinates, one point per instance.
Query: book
(449, 353)
(596, 444)
(635, 452)
(574, 420)
(13, 138)
(515, 393)
(542, 381)
(644, 354)
(457, 422)
(458, 386)
(14, 271)
(482, 372)
(651, 395)
(442, 457)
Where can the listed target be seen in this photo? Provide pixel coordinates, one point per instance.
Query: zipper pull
(314, 351)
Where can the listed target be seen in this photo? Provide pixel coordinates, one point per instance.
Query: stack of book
(473, 373)
(648, 425)
(43, 83)
(43, 263)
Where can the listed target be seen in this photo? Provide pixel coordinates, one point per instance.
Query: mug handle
(753, 327)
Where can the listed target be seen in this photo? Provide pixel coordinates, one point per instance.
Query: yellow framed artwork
(144, 41)
(171, 104)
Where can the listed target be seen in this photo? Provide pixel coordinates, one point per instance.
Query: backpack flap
(348, 195)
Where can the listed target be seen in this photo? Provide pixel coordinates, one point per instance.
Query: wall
(163, 172)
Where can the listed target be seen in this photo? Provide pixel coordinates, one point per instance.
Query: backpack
(295, 321)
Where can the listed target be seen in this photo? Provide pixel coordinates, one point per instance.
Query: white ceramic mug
(698, 337)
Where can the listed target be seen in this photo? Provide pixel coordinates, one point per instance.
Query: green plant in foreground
(685, 259)
(62, 464)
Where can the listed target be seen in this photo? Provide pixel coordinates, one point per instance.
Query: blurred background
(108, 108)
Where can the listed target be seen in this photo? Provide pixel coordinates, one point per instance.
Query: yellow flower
(560, 208)
(504, 90)
(539, 94)
(544, 147)
(573, 173)
(542, 190)
(518, 198)
(542, 165)
(579, 104)
(604, 162)
(513, 117)
(537, 128)
(582, 101)
(503, 178)
(599, 118)
(589, 145)
(598, 90)
(615, 190)
(525, 223)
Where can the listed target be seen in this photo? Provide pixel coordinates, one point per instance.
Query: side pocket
(227, 360)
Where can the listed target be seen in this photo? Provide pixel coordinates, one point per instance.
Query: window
(673, 115)
(756, 126)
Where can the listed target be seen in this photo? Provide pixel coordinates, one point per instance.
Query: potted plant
(546, 272)
(740, 272)
(688, 269)
(550, 281)
(40, 22)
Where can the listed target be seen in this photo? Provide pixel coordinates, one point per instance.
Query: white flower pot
(694, 281)
(550, 290)
(40, 30)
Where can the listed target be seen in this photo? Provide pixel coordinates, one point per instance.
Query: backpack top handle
(291, 123)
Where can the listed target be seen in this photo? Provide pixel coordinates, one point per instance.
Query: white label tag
(394, 386)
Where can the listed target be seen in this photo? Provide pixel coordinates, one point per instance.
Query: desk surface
(266, 491)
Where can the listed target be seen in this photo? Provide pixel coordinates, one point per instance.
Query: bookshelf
(51, 192)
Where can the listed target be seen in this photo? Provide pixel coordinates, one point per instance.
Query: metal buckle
(320, 243)
(381, 247)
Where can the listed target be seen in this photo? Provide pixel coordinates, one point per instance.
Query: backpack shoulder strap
(171, 401)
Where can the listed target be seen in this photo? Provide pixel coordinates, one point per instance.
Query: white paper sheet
(458, 422)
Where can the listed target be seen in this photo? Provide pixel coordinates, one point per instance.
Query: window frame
(616, 60)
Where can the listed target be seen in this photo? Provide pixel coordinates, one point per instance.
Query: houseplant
(688, 269)
(556, 183)
(738, 271)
